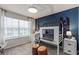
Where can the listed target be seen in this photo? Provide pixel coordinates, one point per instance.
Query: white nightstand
(70, 46)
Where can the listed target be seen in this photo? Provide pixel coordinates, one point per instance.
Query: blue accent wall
(52, 19)
(78, 27)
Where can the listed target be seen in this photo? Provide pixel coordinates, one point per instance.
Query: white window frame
(18, 30)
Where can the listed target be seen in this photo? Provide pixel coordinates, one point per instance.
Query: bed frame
(58, 38)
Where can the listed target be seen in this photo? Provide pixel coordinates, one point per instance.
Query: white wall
(32, 30)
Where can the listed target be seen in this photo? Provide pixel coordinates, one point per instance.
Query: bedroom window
(24, 28)
(16, 28)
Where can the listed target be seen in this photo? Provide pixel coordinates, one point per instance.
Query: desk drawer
(70, 49)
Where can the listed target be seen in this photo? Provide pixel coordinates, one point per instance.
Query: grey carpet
(26, 49)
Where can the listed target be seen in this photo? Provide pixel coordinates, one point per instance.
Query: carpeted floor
(27, 50)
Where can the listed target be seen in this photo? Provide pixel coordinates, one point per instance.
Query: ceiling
(43, 9)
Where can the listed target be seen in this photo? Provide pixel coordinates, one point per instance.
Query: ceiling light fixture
(32, 10)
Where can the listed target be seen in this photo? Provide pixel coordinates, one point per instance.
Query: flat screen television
(48, 34)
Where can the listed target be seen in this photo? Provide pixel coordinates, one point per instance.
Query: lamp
(69, 34)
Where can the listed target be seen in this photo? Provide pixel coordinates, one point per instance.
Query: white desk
(70, 46)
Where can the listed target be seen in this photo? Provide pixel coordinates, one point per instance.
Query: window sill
(16, 37)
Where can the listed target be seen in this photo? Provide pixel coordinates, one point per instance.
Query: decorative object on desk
(69, 34)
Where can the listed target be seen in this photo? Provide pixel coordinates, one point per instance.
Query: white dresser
(70, 46)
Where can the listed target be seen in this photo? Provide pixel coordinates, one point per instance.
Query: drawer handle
(69, 44)
(69, 50)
